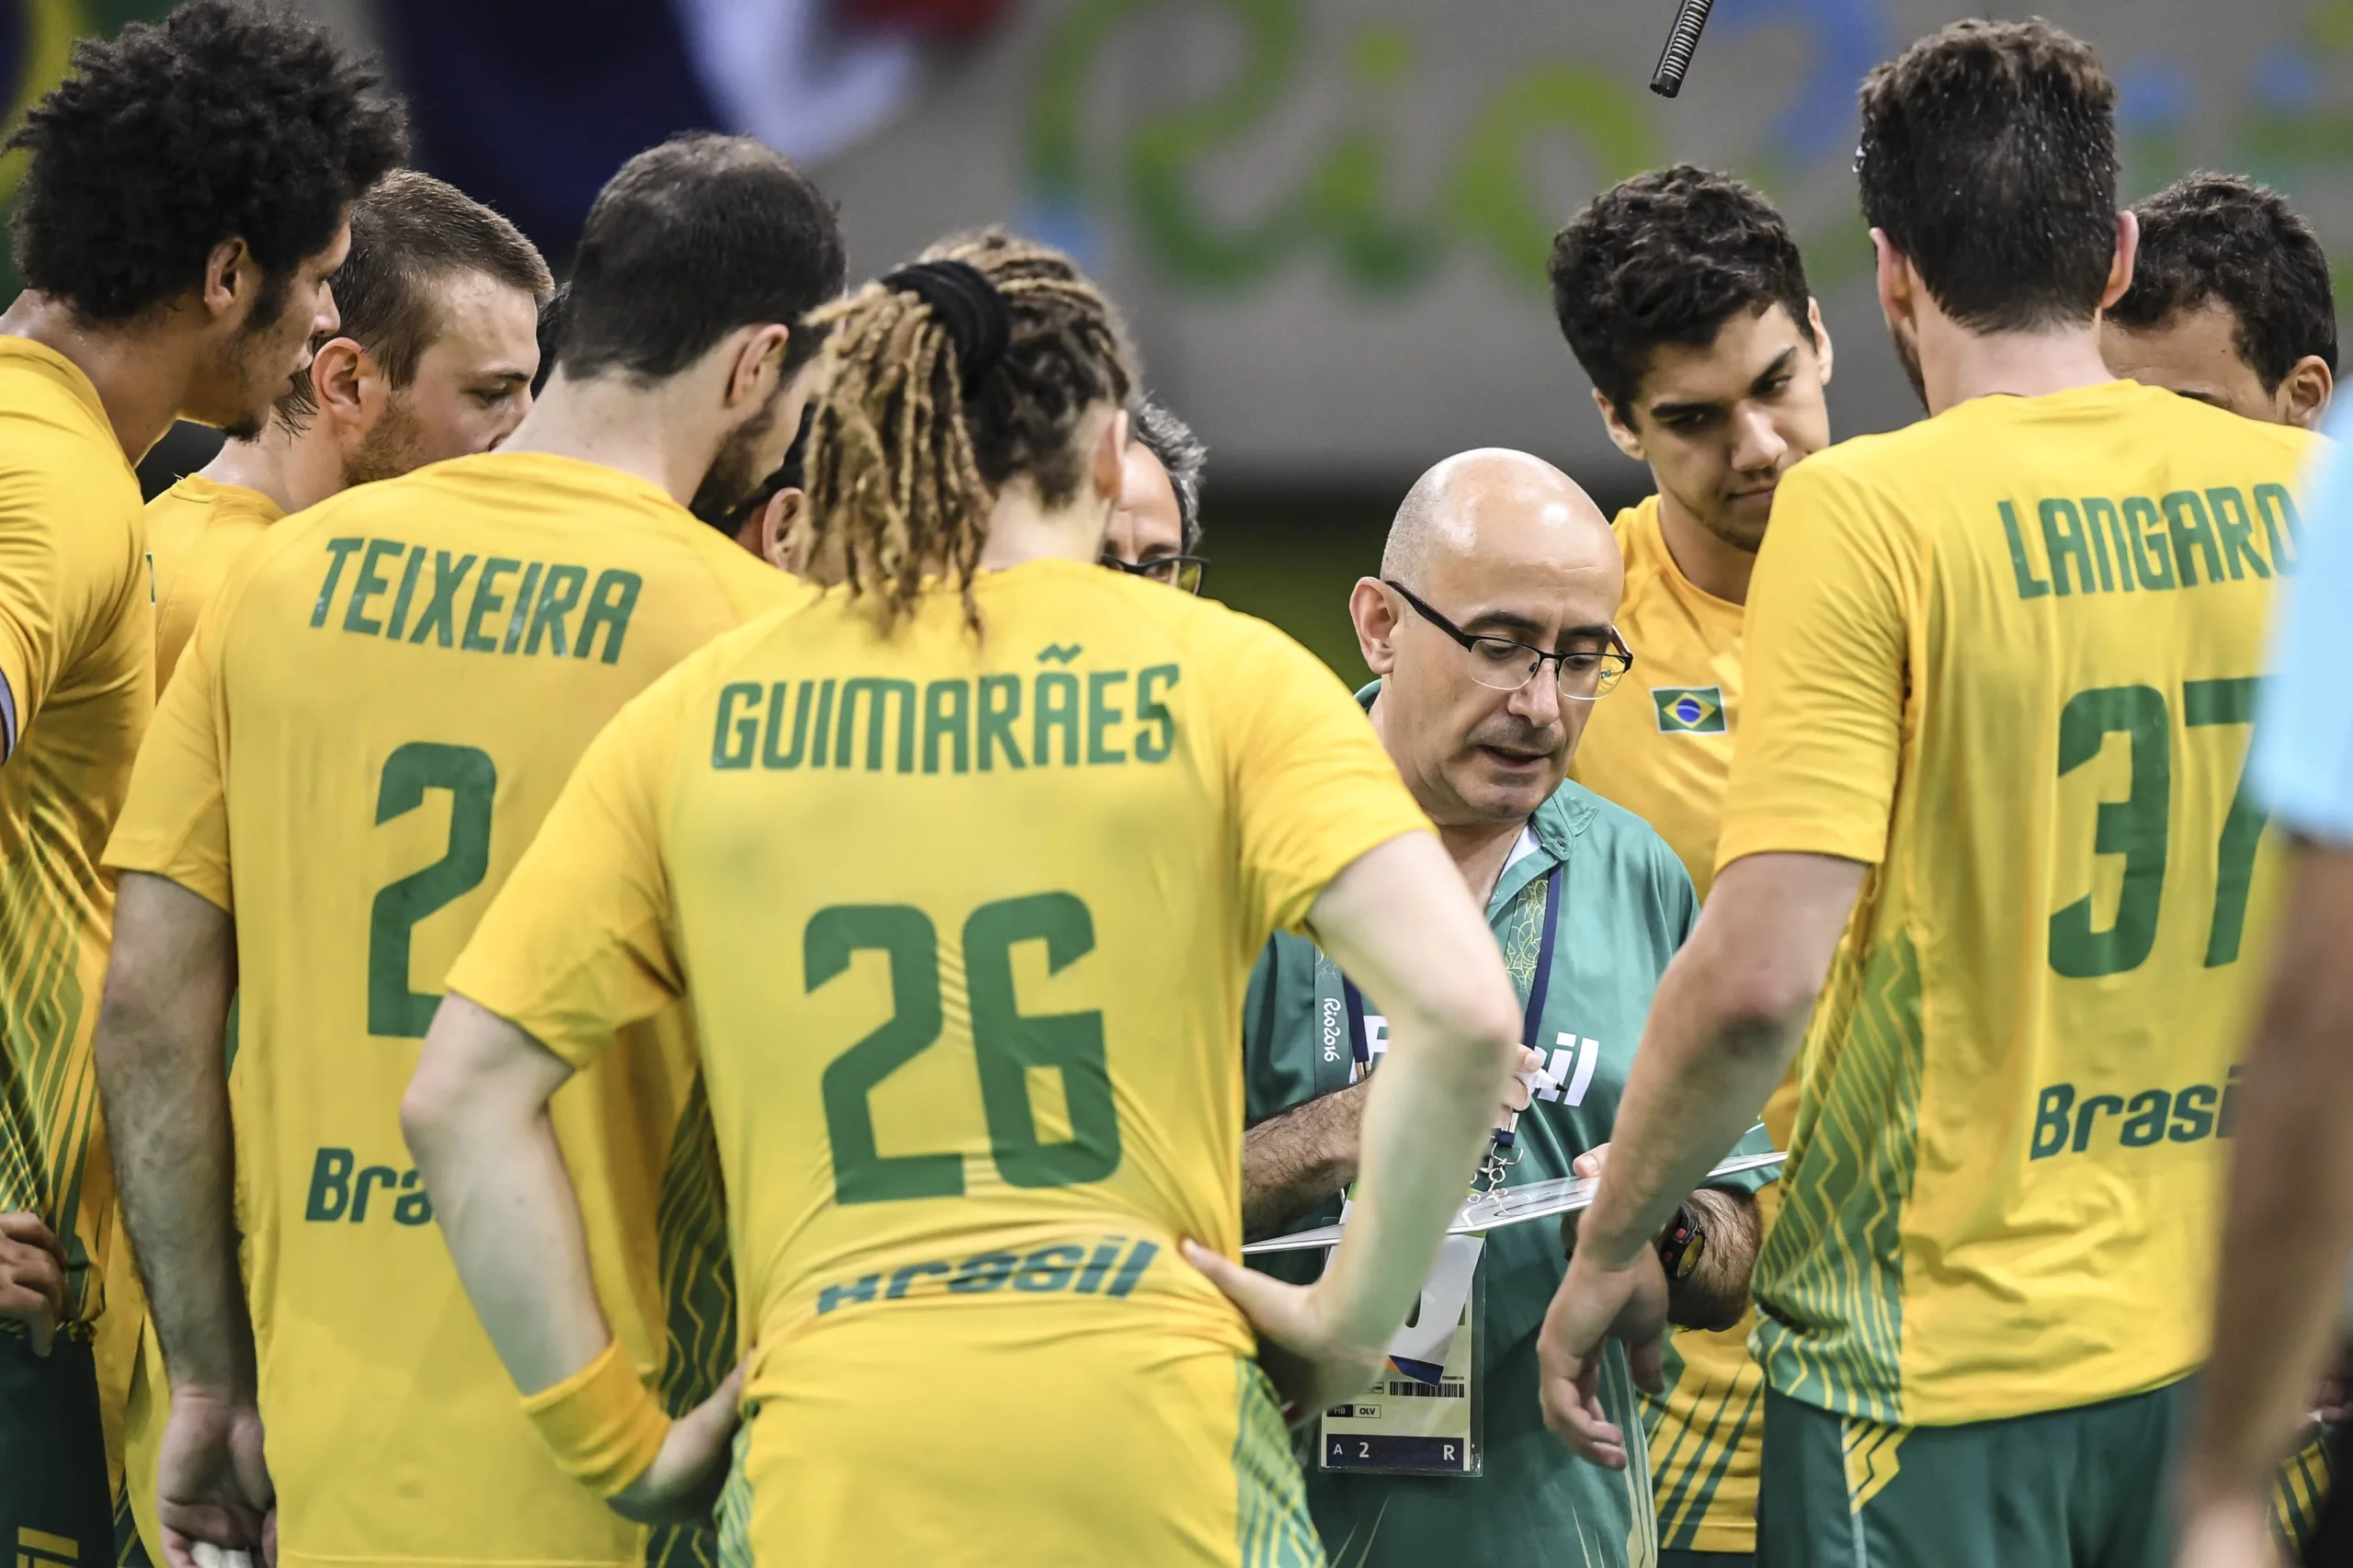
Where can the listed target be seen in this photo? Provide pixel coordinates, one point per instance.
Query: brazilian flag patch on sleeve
(1689, 709)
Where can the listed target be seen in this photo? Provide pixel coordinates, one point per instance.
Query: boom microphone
(1675, 59)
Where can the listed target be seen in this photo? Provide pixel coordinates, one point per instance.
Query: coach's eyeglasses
(1183, 573)
(1501, 664)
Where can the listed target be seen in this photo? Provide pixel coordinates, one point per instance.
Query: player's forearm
(476, 1119)
(1297, 1158)
(159, 1056)
(1728, 1018)
(2288, 1232)
(1714, 1294)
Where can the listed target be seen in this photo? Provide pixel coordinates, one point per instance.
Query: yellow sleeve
(1312, 787)
(1826, 646)
(578, 944)
(174, 822)
(53, 577)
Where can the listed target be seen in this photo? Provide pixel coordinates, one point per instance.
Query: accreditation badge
(1423, 1416)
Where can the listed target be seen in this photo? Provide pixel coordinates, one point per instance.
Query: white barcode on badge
(1453, 1388)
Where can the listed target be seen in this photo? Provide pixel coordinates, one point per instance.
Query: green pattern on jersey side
(1272, 1527)
(48, 1101)
(1685, 1478)
(733, 1515)
(1833, 1263)
(698, 1294)
(2298, 1488)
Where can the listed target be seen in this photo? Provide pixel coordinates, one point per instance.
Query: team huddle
(653, 925)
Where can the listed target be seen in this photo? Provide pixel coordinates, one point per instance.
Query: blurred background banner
(1327, 220)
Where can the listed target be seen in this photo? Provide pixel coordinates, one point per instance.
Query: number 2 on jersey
(1006, 1045)
(2138, 826)
(472, 779)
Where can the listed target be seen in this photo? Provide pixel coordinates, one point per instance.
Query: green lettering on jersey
(1055, 706)
(738, 733)
(440, 616)
(819, 726)
(2231, 520)
(2282, 526)
(946, 716)
(488, 602)
(2152, 558)
(399, 622)
(879, 694)
(1155, 743)
(2186, 519)
(522, 615)
(2107, 524)
(770, 757)
(338, 549)
(558, 595)
(997, 719)
(2144, 1119)
(2030, 586)
(367, 584)
(1101, 715)
(609, 604)
(2064, 543)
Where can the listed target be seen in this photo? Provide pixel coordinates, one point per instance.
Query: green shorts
(2075, 1488)
(54, 1508)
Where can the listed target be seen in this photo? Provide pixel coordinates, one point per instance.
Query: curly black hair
(1668, 257)
(1988, 158)
(220, 122)
(2210, 236)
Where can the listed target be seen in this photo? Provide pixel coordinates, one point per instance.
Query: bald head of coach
(1490, 628)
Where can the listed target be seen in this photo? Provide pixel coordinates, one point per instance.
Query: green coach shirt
(1627, 905)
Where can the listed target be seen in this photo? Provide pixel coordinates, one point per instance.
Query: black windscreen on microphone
(1675, 59)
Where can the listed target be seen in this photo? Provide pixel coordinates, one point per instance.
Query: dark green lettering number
(2230, 702)
(2136, 827)
(861, 1175)
(1007, 1044)
(2133, 827)
(472, 779)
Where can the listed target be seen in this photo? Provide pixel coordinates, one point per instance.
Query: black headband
(968, 305)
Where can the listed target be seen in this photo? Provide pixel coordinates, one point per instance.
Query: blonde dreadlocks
(905, 461)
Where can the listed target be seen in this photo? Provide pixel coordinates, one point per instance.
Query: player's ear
(231, 276)
(348, 383)
(1623, 435)
(759, 359)
(777, 546)
(1108, 462)
(2305, 393)
(1823, 352)
(1376, 623)
(2119, 265)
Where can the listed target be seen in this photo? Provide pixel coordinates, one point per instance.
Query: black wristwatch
(1680, 1244)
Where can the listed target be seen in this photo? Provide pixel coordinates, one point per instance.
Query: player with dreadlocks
(961, 866)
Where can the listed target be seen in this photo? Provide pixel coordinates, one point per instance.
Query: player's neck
(293, 471)
(141, 372)
(1708, 563)
(1480, 850)
(1023, 529)
(662, 434)
(1957, 364)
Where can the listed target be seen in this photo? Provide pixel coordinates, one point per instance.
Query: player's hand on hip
(684, 1481)
(1313, 1368)
(1593, 1306)
(33, 1277)
(212, 1488)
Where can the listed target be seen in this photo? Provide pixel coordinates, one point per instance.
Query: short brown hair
(1988, 159)
(408, 232)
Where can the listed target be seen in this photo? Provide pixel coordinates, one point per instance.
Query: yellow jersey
(1662, 749)
(76, 689)
(195, 531)
(382, 701)
(1661, 744)
(2007, 657)
(968, 923)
